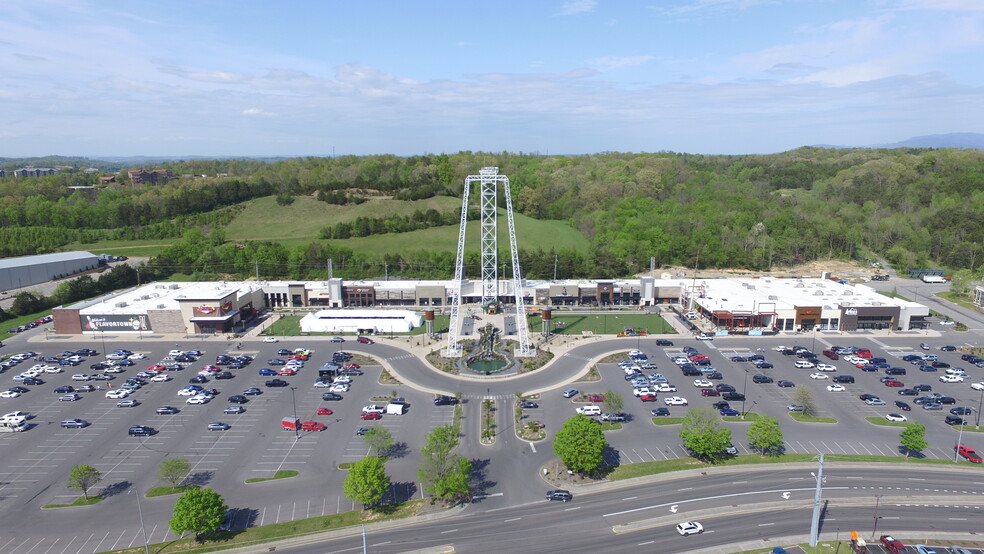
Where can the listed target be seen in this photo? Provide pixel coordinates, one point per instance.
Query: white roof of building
(22, 261)
(738, 295)
(163, 296)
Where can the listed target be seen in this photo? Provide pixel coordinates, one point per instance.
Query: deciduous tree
(174, 471)
(913, 438)
(378, 439)
(199, 511)
(804, 397)
(367, 481)
(580, 444)
(613, 403)
(765, 435)
(83, 477)
(701, 434)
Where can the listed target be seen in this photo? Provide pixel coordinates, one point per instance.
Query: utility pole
(652, 265)
(330, 268)
(815, 523)
(257, 262)
(555, 267)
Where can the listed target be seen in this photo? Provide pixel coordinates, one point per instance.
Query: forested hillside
(915, 207)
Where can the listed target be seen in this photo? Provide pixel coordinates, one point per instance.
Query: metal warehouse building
(30, 270)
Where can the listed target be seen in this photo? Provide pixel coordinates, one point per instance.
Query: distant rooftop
(21, 261)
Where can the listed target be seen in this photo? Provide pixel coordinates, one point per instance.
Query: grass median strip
(667, 420)
(81, 501)
(281, 474)
(164, 491)
(807, 418)
(875, 420)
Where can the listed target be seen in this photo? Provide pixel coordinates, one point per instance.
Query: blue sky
(253, 78)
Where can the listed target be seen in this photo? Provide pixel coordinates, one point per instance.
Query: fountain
(487, 354)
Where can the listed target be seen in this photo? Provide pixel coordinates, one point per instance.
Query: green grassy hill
(301, 222)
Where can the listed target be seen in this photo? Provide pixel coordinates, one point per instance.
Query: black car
(867, 396)
(953, 420)
(140, 431)
(961, 410)
(167, 410)
(664, 342)
(198, 379)
(99, 365)
(32, 381)
(276, 361)
(560, 495)
(125, 363)
(284, 352)
(721, 405)
(185, 358)
(785, 383)
(761, 379)
(908, 392)
(64, 389)
(252, 391)
(923, 388)
(723, 387)
(948, 348)
(223, 375)
(661, 412)
(940, 365)
(843, 379)
(235, 364)
(331, 396)
(923, 400)
(756, 358)
(445, 401)
(895, 371)
(763, 365)
(276, 383)
(946, 400)
(903, 406)
(713, 375)
(21, 389)
(529, 405)
(238, 399)
(739, 359)
(691, 371)
(86, 352)
(733, 396)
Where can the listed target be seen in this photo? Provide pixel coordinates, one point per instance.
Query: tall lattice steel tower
(488, 179)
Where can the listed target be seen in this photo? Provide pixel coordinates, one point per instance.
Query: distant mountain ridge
(947, 140)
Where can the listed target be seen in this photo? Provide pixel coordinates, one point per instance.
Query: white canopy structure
(360, 321)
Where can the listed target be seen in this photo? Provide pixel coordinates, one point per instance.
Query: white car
(81, 377)
(803, 364)
(115, 356)
(113, 369)
(338, 387)
(780, 348)
(160, 378)
(198, 399)
(343, 379)
(585, 410)
(117, 394)
(702, 384)
(665, 387)
(948, 322)
(956, 371)
(826, 367)
(817, 376)
(374, 409)
(680, 360)
(271, 339)
(137, 356)
(895, 417)
(9, 394)
(187, 392)
(639, 391)
(322, 384)
(689, 528)
(704, 336)
(977, 386)
(836, 387)
(675, 401)
(174, 353)
(951, 379)
(52, 369)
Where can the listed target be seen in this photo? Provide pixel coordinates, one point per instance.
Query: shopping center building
(729, 306)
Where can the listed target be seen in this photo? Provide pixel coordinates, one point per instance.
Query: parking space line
(79, 551)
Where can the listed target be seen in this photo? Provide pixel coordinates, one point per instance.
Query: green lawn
(877, 420)
(166, 490)
(281, 474)
(807, 418)
(605, 324)
(663, 420)
(81, 501)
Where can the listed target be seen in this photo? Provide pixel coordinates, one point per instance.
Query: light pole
(102, 333)
(293, 401)
(815, 522)
(875, 528)
(959, 439)
(979, 405)
(143, 528)
(744, 386)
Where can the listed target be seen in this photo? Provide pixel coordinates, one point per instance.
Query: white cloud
(575, 7)
(258, 112)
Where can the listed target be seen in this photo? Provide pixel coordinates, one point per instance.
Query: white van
(396, 408)
(591, 410)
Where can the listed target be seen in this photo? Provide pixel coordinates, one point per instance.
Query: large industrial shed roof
(22, 261)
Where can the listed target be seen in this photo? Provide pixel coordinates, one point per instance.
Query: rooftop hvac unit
(121, 304)
(818, 293)
(145, 297)
(848, 293)
(174, 286)
(181, 296)
(161, 306)
(773, 297)
(799, 285)
(160, 286)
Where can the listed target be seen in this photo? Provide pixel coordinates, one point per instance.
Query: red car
(893, 546)
(596, 398)
(301, 357)
(969, 453)
(648, 397)
(863, 354)
(352, 366)
(312, 426)
(894, 383)
(698, 357)
(709, 392)
(286, 371)
(324, 411)
(371, 415)
(157, 367)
